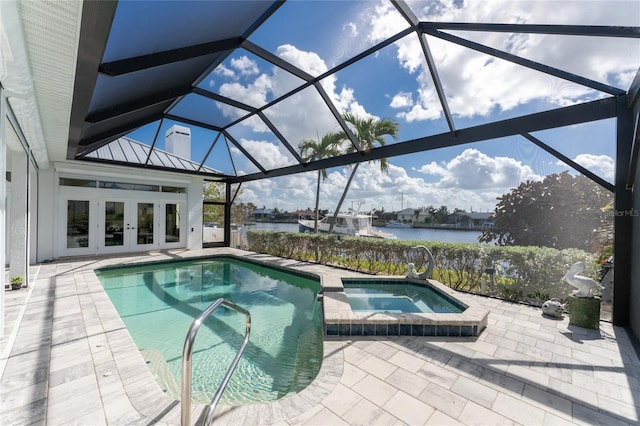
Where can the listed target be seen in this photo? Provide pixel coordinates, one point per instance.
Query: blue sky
(395, 83)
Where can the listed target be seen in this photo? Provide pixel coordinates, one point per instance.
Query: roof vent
(177, 141)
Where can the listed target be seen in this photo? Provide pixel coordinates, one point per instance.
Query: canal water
(413, 234)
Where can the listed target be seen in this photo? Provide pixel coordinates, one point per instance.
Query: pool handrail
(185, 394)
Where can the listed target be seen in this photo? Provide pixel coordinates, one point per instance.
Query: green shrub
(531, 274)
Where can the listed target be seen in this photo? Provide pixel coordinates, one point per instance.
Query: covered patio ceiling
(143, 67)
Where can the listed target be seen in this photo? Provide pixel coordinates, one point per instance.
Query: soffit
(51, 31)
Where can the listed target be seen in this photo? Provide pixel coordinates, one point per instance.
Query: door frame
(182, 223)
(97, 197)
(64, 250)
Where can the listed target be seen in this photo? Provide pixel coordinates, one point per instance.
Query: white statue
(584, 285)
(553, 308)
(412, 273)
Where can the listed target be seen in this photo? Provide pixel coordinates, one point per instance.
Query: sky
(395, 83)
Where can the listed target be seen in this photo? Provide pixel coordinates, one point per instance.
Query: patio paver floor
(73, 362)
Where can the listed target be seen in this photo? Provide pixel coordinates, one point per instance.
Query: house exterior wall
(406, 215)
(194, 207)
(46, 215)
(52, 198)
(19, 214)
(32, 219)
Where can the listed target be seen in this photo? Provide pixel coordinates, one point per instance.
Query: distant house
(262, 214)
(307, 214)
(464, 219)
(406, 215)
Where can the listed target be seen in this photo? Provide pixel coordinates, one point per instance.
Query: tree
(241, 212)
(310, 150)
(214, 191)
(561, 211)
(440, 215)
(369, 132)
(215, 194)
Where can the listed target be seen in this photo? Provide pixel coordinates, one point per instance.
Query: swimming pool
(398, 298)
(158, 302)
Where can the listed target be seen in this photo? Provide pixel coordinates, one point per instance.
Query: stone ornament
(553, 308)
(412, 273)
(584, 285)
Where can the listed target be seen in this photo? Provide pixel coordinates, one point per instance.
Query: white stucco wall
(33, 216)
(47, 214)
(194, 206)
(18, 218)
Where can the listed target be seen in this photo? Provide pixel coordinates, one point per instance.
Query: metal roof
(141, 65)
(127, 151)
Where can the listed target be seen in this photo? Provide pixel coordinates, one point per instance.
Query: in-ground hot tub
(393, 306)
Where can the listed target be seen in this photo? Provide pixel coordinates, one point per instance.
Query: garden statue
(553, 308)
(412, 273)
(584, 285)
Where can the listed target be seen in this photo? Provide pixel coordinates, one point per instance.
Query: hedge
(530, 274)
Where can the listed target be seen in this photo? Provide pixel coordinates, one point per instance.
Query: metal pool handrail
(185, 395)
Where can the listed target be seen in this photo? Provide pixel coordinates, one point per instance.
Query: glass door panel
(114, 225)
(172, 223)
(212, 224)
(145, 221)
(77, 224)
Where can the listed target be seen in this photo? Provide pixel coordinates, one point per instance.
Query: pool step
(158, 366)
(305, 364)
(167, 380)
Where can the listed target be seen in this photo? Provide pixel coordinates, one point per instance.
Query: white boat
(396, 224)
(346, 224)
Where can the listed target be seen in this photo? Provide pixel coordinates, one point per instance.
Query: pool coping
(341, 320)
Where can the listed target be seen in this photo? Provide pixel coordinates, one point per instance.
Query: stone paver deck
(71, 361)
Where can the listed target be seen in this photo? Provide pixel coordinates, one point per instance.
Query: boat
(396, 224)
(354, 224)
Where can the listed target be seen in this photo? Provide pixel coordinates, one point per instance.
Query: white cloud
(402, 100)
(474, 170)
(269, 155)
(351, 28)
(477, 84)
(245, 65)
(419, 113)
(372, 189)
(224, 71)
(299, 190)
(302, 116)
(602, 165)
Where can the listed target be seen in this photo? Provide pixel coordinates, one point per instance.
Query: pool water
(158, 303)
(398, 298)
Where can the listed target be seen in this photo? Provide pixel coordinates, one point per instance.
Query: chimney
(177, 141)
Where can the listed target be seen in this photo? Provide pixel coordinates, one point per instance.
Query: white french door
(127, 225)
(78, 222)
(172, 223)
(131, 225)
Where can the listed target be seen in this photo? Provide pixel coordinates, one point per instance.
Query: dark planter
(584, 312)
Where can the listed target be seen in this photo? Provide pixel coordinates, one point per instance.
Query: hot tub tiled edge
(340, 320)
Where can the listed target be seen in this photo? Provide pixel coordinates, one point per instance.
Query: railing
(185, 396)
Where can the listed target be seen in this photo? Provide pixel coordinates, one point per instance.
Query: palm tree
(369, 132)
(311, 150)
